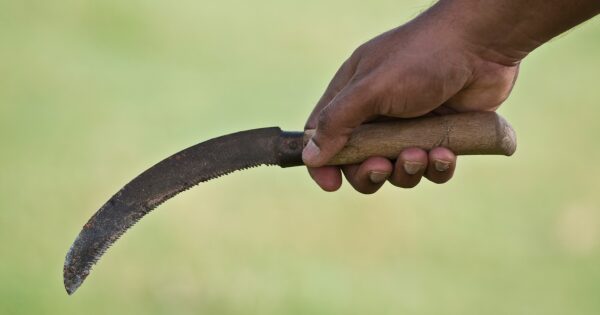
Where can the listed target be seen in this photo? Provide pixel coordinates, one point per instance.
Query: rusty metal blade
(202, 162)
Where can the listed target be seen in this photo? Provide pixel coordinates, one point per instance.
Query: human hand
(426, 67)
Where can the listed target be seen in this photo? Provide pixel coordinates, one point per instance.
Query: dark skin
(458, 56)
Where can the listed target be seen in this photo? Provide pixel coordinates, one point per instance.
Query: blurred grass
(93, 92)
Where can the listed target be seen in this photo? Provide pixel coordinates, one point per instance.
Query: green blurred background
(94, 92)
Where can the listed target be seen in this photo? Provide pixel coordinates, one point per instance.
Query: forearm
(505, 31)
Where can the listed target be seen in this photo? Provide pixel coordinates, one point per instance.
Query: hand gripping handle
(475, 133)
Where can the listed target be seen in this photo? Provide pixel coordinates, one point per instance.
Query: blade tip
(70, 291)
(72, 283)
(73, 276)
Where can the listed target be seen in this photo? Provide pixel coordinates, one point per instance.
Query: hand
(425, 67)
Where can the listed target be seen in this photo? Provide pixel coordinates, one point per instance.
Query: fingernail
(378, 177)
(311, 151)
(441, 166)
(412, 168)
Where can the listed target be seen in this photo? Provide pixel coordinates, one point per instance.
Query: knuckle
(360, 50)
(324, 120)
(377, 86)
(365, 86)
(365, 90)
(363, 186)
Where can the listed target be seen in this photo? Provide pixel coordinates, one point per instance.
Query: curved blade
(164, 180)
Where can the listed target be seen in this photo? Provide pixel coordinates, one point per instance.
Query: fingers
(412, 164)
(335, 123)
(370, 175)
(409, 168)
(442, 163)
(339, 81)
(329, 178)
(438, 166)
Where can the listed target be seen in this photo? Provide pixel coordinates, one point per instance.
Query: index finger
(341, 78)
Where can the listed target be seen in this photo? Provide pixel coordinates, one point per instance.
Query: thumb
(335, 124)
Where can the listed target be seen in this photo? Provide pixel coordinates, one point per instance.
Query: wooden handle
(464, 134)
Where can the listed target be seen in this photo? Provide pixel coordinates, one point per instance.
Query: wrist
(506, 31)
(487, 32)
